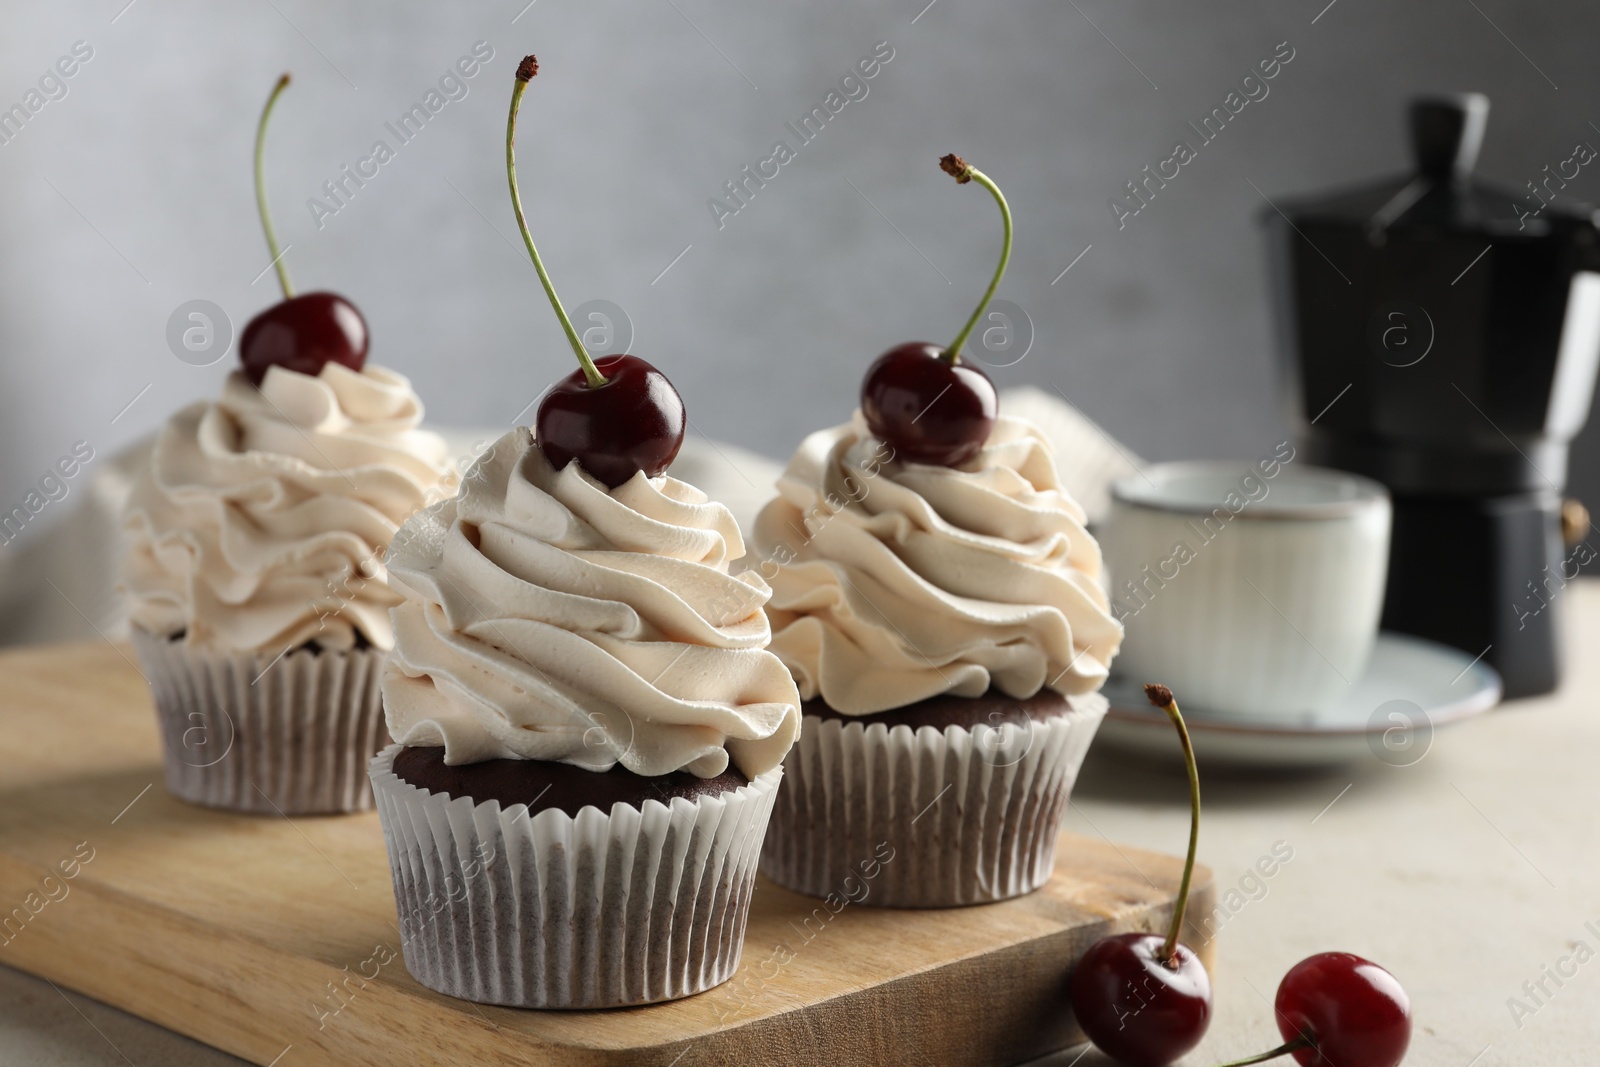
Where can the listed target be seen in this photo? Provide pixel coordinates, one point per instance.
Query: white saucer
(1411, 688)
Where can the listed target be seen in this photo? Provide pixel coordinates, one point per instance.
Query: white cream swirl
(546, 618)
(894, 582)
(262, 519)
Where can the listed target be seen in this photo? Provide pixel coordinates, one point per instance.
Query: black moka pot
(1442, 334)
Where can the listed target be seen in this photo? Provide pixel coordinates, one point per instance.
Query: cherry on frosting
(923, 400)
(931, 410)
(301, 333)
(616, 416)
(304, 333)
(633, 421)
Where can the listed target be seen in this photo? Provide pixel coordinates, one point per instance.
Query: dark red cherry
(616, 415)
(1135, 1007)
(928, 405)
(1353, 1012)
(634, 422)
(928, 409)
(304, 333)
(1145, 999)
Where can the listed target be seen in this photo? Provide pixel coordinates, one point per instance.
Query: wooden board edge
(184, 975)
(1021, 1017)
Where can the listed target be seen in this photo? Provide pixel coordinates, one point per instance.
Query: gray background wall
(132, 194)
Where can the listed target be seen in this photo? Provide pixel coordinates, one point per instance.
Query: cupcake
(937, 597)
(255, 569)
(590, 731)
(254, 563)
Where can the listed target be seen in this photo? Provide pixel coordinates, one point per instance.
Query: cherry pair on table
(1145, 999)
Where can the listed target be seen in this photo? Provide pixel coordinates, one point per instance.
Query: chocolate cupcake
(254, 564)
(948, 632)
(588, 722)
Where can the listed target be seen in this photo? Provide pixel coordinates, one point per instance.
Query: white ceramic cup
(1252, 589)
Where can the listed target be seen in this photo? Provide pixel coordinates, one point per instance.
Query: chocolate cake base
(993, 708)
(315, 647)
(542, 784)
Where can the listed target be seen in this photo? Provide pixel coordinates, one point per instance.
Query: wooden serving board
(253, 934)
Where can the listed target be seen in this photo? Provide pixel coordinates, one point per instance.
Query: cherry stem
(1282, 1050)
(964, 172)
(1162, 697)
(525, 72)
(261, 191)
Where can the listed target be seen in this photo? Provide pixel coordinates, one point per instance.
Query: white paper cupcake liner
(634, 906)
(244, 733)
(971, 816)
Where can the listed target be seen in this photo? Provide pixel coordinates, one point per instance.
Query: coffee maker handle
(1446, 134)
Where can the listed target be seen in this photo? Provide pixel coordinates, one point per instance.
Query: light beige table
(1468, 874)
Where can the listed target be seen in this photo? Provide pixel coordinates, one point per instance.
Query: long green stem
(1162, 697)
(525, 72)
(261, 190)
(963, 173)
(1282, 1050)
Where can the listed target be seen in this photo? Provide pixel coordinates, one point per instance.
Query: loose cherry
(927, 404)
(302, 333)
(617, 415)
(1336, 1009)
(1143, 999)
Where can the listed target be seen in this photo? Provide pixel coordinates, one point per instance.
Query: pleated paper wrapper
(244, 733)
(972, 816)
(632, 906)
